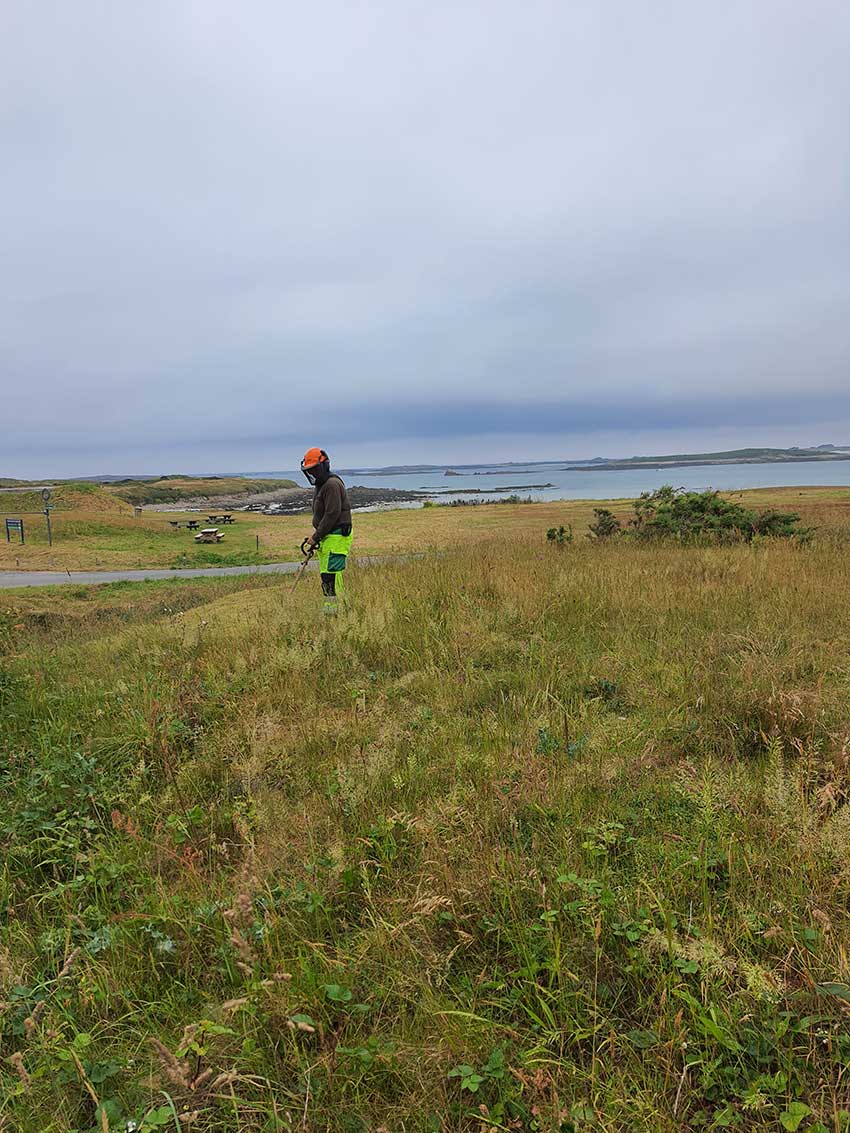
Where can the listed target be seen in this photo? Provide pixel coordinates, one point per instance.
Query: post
(45, 495)
(257, 537)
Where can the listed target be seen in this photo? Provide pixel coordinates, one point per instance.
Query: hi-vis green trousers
(333, 552)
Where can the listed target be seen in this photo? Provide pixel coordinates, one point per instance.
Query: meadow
(529, 837)
(95, 530)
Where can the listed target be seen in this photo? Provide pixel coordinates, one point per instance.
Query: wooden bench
(209, 535)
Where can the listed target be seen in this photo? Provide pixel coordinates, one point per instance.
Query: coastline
(660, 465)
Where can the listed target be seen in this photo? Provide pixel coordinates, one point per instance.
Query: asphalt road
(13, 578)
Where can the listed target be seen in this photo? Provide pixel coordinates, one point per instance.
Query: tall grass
(539, 840)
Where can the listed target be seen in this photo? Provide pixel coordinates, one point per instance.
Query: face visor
(315, 466)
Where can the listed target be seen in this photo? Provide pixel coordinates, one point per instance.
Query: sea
(554, 481)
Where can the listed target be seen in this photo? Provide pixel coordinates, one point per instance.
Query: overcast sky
(419, 231)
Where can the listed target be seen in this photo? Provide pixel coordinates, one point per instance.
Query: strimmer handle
(307, 549)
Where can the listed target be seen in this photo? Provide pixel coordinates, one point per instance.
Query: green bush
(606, 524)
(560, 535)
(673, 512)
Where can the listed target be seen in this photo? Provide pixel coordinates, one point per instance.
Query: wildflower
(31, 1021)
(69, 963)
(233, 1004)
(174, 1069)
(17, 1061)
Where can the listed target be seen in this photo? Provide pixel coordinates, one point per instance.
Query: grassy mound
(539, 841)
(172, 489)
(83, 497)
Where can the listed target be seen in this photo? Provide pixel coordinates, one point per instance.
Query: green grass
(530, 838)
(52, 615)
(104, 541)
(93, 528)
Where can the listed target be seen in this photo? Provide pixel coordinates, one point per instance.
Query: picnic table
(193, 524)
(223, 517)
(209, 535)
(174, 522)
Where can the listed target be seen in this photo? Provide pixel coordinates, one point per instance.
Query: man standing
(332, 523)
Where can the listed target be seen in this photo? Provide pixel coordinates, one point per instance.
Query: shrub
(685, 515)
(560, 535)
(606, 524)
(782, 524)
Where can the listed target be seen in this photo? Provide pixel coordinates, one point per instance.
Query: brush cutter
(308, 549)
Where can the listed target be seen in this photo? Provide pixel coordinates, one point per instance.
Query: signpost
(45, 495)
(14, 525)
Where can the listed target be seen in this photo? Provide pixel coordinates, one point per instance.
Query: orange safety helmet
(312, 457)
(315, 462)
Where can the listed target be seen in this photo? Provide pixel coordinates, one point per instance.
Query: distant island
(150, 490)
(792, 455)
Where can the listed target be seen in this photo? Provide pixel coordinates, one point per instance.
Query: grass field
(94, 530)
(115, 539)
(528, 838)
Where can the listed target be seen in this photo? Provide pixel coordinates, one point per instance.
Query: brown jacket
(331, 508)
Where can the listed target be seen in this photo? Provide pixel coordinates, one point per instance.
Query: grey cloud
(471, 220)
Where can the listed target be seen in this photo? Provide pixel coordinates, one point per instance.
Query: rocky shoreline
(290, 501)
(297, 500)
(294, 501)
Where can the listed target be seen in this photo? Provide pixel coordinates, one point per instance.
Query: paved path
(12, 578)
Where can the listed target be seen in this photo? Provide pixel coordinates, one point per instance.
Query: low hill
(176, 489)
(76, 496)
(731, 456)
